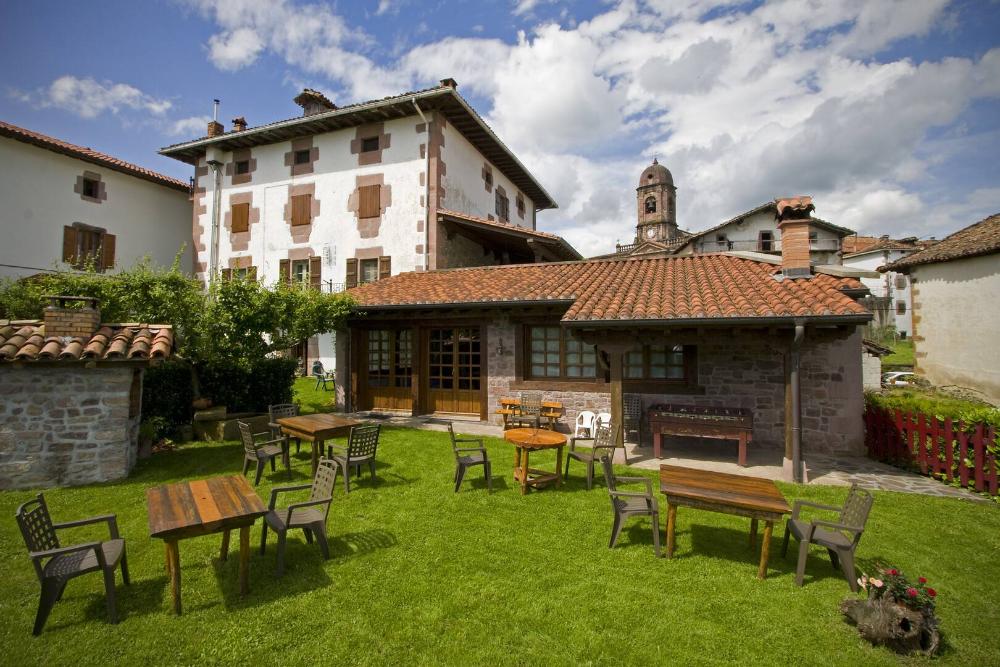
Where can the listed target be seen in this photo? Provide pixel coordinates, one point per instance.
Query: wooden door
(454, 366)
(387, 375)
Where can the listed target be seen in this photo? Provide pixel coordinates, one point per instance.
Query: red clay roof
(26, 341)
(982, 238)
(88, 155)
(709, 287)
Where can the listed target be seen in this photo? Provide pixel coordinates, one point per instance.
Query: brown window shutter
(251, 273)
(227, 274)
(284, 271)
(301, 210)
(384, 267)
(369, 201)
(352, 273)
(108, 251)
(241, 218)
(69, 244)
(315, 273)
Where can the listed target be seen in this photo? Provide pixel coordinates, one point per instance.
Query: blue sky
(888, 113)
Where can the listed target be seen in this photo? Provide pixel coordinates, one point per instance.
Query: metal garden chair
(309, 515)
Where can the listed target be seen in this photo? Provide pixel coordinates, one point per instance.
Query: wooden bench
(552, 411)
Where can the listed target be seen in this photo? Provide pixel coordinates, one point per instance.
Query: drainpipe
(213, 261)
(427, 187)
(800, 334)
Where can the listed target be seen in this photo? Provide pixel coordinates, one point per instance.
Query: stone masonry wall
(64, 426)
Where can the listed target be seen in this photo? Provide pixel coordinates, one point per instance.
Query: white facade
(758, 232)
(40, 195)
(890, 285)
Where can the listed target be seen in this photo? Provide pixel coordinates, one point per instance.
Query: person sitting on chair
(319, 373)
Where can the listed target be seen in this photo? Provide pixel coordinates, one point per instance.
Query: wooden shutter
(108, 251)
(384, 267)
(301, 210)
(69, 244)
(241, 218)
(227, 274)
(352, 273)
(315, 272)
(369, 204)
(284, 271)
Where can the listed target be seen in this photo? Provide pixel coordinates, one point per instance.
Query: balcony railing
(332, 287)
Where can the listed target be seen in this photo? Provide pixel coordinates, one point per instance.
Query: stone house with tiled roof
(68, 205)
(716, 330)
(346, 195)
(955, 286)
(71, 394)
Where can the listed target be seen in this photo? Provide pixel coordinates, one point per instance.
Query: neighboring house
(890, 292)
(871, 363)
(73, 395)
(72, 204)
(713, 330)
(344, 196)
(955, 289)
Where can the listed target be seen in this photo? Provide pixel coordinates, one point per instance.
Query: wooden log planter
(943, 449)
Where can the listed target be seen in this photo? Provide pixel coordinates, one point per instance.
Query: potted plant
(897, 613)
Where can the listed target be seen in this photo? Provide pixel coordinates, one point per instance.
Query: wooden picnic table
(317, 429)
(511, 407)
(703, 422)
(190, 509)
(753, 497)
(526, 440)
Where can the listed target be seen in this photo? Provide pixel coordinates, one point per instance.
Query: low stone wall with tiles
(743, 371)
(65, 426)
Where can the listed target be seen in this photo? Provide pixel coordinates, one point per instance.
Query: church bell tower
(656, 200)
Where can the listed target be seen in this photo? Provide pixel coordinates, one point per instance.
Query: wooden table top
(534, 438)
(203, 506)
(318, 423)
(750, 493)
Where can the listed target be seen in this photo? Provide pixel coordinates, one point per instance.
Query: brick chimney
(448, 83)
(63, 320)
(793, 221)
(239, 124)
(313, 102)
(215, 128)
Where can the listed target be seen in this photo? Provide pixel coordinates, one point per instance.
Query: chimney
(62, 320)
(313, 102)
(215, 128)
(449, 83)
(793, 221)
(239, 124)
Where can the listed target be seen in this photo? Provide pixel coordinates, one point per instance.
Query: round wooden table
(526, 440)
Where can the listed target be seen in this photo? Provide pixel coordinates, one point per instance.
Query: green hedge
(252, 389)
(167, 394)
(935, 405)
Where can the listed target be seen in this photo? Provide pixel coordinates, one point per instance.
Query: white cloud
(385, 6)
(233, 50)
(89, 98)
(192, 126)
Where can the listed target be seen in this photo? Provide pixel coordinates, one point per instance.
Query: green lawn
(311, 399)
(902, 354)
(421, 575)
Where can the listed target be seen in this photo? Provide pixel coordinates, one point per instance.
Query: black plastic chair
(309, 515)
(280, 411)
(603, 444)
(529, 410)
(362, 446)
(467, 457)
(260, 452)
(840, 537)
(55, 565)
(627, 504)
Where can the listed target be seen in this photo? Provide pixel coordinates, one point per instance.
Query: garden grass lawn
(902, 354)
(421, 575)
(311, 399)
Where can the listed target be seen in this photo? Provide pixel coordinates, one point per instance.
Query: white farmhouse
(341, 196)
(72, 204)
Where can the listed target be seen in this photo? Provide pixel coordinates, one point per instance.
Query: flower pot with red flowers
(897, 613)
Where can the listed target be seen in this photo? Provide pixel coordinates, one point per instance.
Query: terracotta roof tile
(982, 238)
(88, 155)
(711, 286)
(26, 341)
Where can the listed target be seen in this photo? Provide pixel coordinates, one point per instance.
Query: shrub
(243, 389)
(936, 405)
(167, 393)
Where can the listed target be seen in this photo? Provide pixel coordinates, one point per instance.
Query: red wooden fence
(944, 449)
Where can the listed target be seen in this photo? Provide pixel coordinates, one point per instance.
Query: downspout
(427, 187)
(800, 334)
(213, 256)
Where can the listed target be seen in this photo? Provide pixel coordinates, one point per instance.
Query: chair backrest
(632, 407)
(454, 445)
(281, 410)
(363, 441)
(36, 528)
(531, 403)
(856, 508)
(609, 479)
(317, 369)
(604, 436)
(585, 420)
(326, 475)
(246, 435)
(604, 418)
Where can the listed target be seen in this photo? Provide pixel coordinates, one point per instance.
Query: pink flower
(932, 592)
(877, 583)
(892, 571)
(922, 580)
(912, 592)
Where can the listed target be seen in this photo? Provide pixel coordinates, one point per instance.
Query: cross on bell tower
(656, 200)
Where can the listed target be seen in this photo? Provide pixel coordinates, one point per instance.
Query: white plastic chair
(604, 419)
(585, 424)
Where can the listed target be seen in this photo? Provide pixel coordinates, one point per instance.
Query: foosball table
(701, 422)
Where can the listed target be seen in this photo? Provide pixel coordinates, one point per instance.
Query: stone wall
(68, 425)
(871, 366)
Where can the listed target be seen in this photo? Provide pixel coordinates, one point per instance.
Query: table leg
(765, 549)
(753, 533)
(524, 470)
(225, 545)
(174, 558)
(743, 449)
(657, 444)
(244, 560)
(559, 459)
(166, 546)
(317, 445)
(671, 519)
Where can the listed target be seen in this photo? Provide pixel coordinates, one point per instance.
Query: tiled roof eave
(724, 321)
